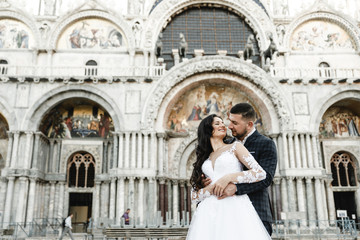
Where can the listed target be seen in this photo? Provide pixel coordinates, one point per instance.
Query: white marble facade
(143, 155)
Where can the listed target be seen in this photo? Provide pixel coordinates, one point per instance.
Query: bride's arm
(255, 173)
(200, 195)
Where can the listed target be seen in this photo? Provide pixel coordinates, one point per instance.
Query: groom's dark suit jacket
(263, 150)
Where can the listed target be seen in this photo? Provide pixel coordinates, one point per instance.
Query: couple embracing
(232, 196)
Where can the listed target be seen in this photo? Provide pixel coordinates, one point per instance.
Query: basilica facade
(100, 102)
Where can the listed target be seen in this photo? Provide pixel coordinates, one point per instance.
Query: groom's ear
(251, 124)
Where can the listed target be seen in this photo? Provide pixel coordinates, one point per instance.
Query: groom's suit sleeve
(266, 155)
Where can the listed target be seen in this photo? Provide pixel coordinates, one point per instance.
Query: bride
(233, 217)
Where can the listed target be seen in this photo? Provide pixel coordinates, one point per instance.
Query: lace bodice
(224, 164)
(228, 163)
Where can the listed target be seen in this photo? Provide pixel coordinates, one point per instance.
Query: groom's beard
(241, 136)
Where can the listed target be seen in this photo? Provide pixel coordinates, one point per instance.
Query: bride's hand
(220, 185)
(210, 189)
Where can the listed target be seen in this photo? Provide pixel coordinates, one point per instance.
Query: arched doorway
(80, 180)
(344, 174)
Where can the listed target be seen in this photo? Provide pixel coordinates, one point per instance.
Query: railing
(314, 229)
(340, 73)
(79, 71)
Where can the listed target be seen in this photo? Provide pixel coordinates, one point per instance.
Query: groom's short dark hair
(245, 109)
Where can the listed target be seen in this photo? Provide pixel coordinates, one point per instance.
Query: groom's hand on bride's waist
(228, 191)
(205, 181)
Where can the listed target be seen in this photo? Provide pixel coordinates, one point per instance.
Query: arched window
(81, 170)
(343, 170)
(91, 68)
(207, 28)
(3, 67)
(323, 71)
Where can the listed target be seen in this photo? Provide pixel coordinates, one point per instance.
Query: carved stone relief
(301, 106)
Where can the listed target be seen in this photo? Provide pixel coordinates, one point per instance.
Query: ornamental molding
(26, 20)
(213, 64)
(69, 19)
(253, 14)
(347, 25)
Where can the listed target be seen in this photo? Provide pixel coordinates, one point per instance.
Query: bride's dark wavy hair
(203, 149)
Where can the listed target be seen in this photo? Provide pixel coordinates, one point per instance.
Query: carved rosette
(214, 64)
(67, 20)
(254, 15)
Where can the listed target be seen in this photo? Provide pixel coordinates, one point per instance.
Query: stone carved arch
(52, 98)
(182, 155)
(343, 22)
(26, 20)
(254, 15)
(231, 65)
(326, 102)
(8, 114)
(71, 18)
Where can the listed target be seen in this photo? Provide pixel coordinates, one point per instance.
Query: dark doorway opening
(346, 201)
(80, 204)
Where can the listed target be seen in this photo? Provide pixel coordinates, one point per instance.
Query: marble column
(357, 200)
(34, 164)
(315, 151)
(309, 151)
(146, 150)
(303, 151)
(284, 195)
(3, 183)
(127, 150)
(22, 199)
(52, 199)
(112, 199)
(14, 151)
(310, 202)
(140, 204)
(277, 197)
(133, 150)
(139, 150)
(300, 197)
(115, 152)
(285, 151)
(319, 201)
(60, 208)
(9, 200)
(291, 150)
(297, 151)
(121, 151)
(291, 197)
(175, 202)
(51, 156)
(182, 199)
(162, 198)
(28, 150)
(153, 151)
(46, 200)
(132, 196)
(105, 203)
(324, 203)
(330, 200)
(9, 149)
(96, 203)
(161, 153)
(105, 157)
(120, 205)
(152, 200)
(31, 202)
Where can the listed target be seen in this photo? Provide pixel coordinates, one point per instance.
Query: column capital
(277, 180)
(161, 135)
(10, 134)
(52, 182)
(308, 179)
(175, 181)
(162, 180)
(29, 133)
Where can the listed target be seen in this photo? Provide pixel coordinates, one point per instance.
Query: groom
(242, 118)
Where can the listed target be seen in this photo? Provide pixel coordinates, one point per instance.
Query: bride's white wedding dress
(230, 218)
